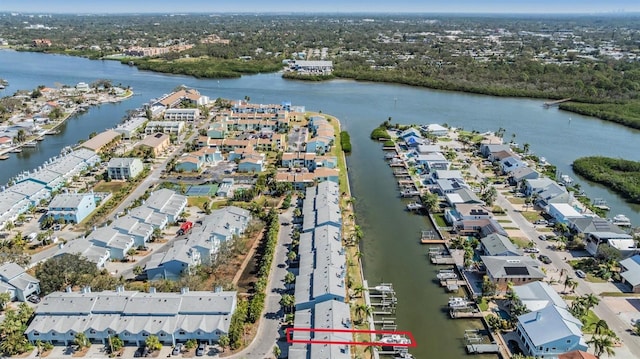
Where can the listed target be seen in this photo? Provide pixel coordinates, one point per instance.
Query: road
(269, 329)
(631, 347)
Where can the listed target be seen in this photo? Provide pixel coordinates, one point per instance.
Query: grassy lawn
(439, 217)
(337, 151)
(198, 201)
(483, 305)
(504, 221)
(593, 279)
(531, 216)
(514, 200)
(520, 242)
(589, 322)
(113, 186)
(619, 294)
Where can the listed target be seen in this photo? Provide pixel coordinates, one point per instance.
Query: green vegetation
(207, 67)
(622, 176)
(345, 141)
(627, 114)
(77, 270)
(380, 133)
(12, 330)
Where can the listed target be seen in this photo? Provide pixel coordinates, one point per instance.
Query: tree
(602, 344)
(69, 269)
(4, 299)
(191, 343)
(81, 341)
(357, 291)
(137, 270)
(287, 302)
(115, 344)
(153, 343)
(276, 351)
(569, 283)
(430, 201)
(21, 136)
(12, 330)
(291, 256)
(223, 341)
(488, 287)
(289, 278)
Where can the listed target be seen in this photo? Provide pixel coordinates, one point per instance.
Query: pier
(483, 348)
(556, 102)
(430, 237)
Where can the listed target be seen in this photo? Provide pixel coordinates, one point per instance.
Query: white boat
(394, 339)
(30, 144)
(621, 220)
(458, 302)
(383, 288)
(414, 206)
(566, 179)
(442, 276)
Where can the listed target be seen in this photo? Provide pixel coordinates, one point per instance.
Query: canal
(390, 246)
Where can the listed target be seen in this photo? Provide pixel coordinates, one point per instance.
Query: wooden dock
(482, 348)
(457, 314)
(556, 102)
(442, 260)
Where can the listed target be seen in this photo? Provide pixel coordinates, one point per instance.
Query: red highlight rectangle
(412, 342)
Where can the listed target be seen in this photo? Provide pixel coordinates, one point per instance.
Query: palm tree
(81, 340)
(590, 301)
(601, 327)
(602, 344)
(525, 147)
(223, 341)
(357, 291)
(287, 302)
(568, 282)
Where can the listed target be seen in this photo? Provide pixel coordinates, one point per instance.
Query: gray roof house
(116, 242)
(498, 245)
(488, 149)
(87, 249)
(598, 231)
(462, 195)
(331, 314)
(538, 295)
(140, 232)
(178, 260)
(520, 174)
(167, 202)
(132, 316)
(149, 216)
(549, 332)
(631, 272)
(17, 282)
(515, 269)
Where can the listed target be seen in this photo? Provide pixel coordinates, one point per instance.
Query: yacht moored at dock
(621, 220)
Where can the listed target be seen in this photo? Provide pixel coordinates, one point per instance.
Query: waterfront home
(515, 269)
(322, 174)
(412, 131)
(537, 185)
(463, 195)
(140, 232)
(33, 191)
(132, 316)
(550, 332)
(115, 241)
(630, 272)
(523, 173)
(71, 207)
(167, 202)
(51, 180)
(448, 185)
(487, 149)
(18, 283)
(331, 314)
(311, 67)
(498, 245)
(98, 142)
(182, 114)
(124, 168)
(427, 148)
(174, 99)
(131, 127)
(319, 145)
(432, 161)
(11, 206)
(538, 295)
(86, 249)
(157, 142)
(446, 174)
(563, 212)
(497, 157)
(598, 231)
(180, 259)
(510, 164)
(460, 212)
(435, 129)
(170, 127)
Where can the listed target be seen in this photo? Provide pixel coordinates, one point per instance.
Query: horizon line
(592, 13)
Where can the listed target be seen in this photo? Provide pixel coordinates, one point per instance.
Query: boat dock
(430, 237)
(556, 102)
(482, 348)
(459, 314)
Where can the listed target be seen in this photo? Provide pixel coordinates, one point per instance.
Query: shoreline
(42, 134)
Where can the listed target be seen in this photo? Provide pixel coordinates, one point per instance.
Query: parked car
(141, 352)
(34, 299)
(200, 350)
(531, 250)
(544, 259)
(580, 274)
(542, 237)
(177, 349)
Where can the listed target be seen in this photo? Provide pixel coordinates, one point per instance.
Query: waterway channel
(390, 246)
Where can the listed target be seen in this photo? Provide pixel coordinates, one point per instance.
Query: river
(390, 245)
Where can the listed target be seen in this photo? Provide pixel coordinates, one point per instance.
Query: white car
(532, 250)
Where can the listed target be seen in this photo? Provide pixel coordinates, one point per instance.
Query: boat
(601, 204)
(4, 157)
(443, 276)
(404, 355)
(30, 144)
(383, 288)
(16, 150)
(394, 339)
(458, 302)
(566, 179)
(621, 220)
(52, 132)
(414, 206)
(39, 139)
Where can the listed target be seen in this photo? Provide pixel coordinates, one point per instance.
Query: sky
(327, 6)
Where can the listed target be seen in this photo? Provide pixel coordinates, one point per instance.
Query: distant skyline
(324, 6)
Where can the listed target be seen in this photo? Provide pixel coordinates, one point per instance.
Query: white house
(17, 282)
(72, 207)
(124, 168)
